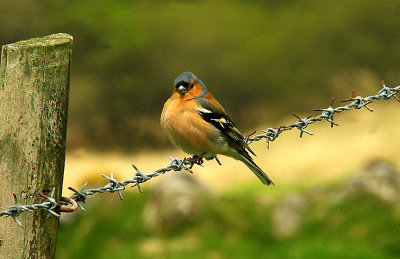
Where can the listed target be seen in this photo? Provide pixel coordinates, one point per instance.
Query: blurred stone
(287, 216)
(176, 201)
(379, 178)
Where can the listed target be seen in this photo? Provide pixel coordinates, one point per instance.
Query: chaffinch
(197, 123)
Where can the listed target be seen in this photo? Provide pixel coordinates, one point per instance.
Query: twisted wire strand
(270, 134)
(358, 102)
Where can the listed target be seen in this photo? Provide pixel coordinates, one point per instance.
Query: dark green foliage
(236, 226)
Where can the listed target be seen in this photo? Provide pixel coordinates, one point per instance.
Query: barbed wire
(55, 208)
(357, 102)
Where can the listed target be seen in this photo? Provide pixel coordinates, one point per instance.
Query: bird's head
(187, 86)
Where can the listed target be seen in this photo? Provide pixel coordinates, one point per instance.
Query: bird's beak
(182, 90)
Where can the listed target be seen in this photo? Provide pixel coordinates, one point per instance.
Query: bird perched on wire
(197, 123)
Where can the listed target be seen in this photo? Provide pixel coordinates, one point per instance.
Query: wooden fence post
(34, 87)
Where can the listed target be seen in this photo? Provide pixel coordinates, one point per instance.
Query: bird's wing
(214, 115)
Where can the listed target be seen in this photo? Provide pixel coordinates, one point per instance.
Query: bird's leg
(216, 159)
(195, 159)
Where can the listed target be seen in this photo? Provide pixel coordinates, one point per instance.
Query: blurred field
(328, 156)
(237, 226)
(236, 215)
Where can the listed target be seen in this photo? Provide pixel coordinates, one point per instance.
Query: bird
(198, 124)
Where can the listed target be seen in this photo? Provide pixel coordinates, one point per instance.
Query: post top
(52, 40)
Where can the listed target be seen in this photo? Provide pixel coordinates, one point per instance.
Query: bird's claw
(195, 159)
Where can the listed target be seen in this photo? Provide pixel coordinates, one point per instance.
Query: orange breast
(186, 129)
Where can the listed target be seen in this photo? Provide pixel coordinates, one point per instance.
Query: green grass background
(236, 226)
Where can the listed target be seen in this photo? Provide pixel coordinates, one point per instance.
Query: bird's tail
(248, 161)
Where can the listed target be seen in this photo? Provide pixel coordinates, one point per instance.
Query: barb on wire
(54, 207)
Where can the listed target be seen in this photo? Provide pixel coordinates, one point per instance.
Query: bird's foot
(195, 159)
